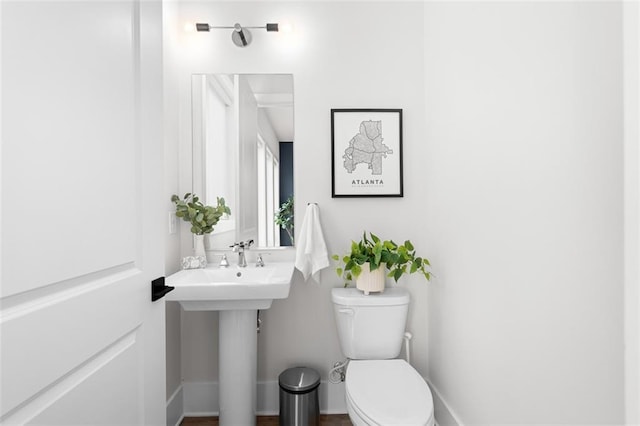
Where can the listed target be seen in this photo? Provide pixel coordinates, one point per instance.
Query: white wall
(523, 176)
(631, 23)
(381, 67)
(513, 188)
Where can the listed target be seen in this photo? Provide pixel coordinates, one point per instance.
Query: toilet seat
(388, 392)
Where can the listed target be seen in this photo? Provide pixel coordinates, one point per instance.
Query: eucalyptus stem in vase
(201, 217)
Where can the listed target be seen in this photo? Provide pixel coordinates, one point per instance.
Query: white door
(81, 341)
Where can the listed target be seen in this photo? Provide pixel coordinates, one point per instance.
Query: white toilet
(380, 390)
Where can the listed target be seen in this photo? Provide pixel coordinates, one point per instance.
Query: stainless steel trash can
(299, 404)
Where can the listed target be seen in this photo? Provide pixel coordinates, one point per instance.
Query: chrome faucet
(240, 248)
(242, 260)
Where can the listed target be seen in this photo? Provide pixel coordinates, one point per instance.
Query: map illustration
(367, 147)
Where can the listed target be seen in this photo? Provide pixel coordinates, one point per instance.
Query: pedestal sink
(237, 293)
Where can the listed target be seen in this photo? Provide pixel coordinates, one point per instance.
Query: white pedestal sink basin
(237, 293)
(221, 289)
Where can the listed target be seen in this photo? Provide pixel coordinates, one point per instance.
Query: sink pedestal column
(238, 349)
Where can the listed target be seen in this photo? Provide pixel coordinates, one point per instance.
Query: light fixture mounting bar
(203, 27)
(241, 36)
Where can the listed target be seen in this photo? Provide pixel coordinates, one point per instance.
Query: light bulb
(285, 27)
(189, 27)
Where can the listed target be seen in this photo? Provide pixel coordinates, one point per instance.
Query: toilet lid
(388, 392)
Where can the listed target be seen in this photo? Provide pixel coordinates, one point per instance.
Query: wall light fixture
(241, 36)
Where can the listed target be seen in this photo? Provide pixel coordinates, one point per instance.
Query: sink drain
(238, 274)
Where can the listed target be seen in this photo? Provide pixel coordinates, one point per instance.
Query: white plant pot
(369, 281)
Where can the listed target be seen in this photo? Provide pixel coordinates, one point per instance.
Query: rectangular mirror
(243, 151)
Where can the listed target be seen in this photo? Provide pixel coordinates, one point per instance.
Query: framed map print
(366, 151)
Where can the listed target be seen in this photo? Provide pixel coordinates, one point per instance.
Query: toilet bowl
(387, 392)
(381, 390)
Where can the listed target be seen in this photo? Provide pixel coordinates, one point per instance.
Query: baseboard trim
(175, 407)
(267, 398)
(444, 414)
(201, 399)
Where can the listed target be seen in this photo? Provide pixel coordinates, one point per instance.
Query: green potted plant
(202, 217)
(370, 257)
(284, 217)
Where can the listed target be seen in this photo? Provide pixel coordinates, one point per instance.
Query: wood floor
(325, 420)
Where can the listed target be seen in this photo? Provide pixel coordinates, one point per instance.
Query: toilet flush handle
(346, 311)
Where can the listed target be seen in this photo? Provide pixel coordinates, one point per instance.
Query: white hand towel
(311, 250)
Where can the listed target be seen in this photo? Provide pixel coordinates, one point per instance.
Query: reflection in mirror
(243, 152)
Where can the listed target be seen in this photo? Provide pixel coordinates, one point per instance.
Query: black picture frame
(366, 153)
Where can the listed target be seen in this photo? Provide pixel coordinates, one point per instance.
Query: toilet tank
(373, 326)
